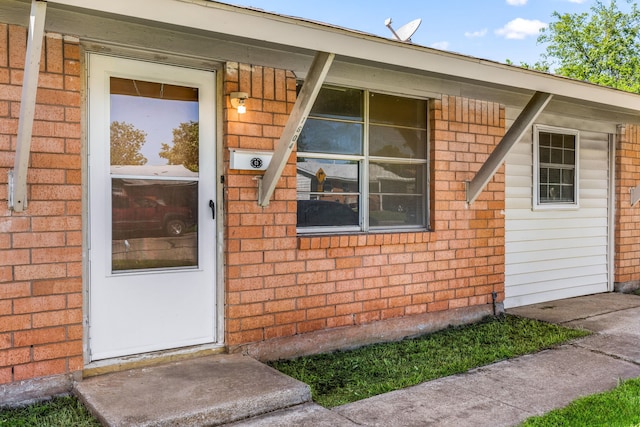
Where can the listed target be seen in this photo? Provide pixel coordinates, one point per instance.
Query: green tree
(602, 47)
(126, 142)
(184, 150)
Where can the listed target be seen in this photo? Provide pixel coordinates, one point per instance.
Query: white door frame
(218, 291)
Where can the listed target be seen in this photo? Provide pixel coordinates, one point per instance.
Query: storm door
(151, 207)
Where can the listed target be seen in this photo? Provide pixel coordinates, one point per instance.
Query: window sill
(324, 241)
(556, 207)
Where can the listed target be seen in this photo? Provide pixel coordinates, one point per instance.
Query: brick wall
(277, 284)
(627, 239)
(280, 285)
(41, 248)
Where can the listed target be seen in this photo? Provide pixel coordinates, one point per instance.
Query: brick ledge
(363, 239)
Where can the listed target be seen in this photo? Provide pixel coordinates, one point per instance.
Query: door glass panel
(154, 158)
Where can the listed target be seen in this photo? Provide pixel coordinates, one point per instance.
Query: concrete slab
(240, 390)
(621, 322)
(550, 379)
(566, 310)
(205, 391)
(616, 334)
(625, 347)
(502, 394)
(307, 415)
(441, 402)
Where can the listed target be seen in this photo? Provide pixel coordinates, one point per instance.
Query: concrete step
(210, 391)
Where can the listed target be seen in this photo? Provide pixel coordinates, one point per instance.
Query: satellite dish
(405, 32)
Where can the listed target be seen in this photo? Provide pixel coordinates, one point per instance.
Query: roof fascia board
(286, 31)
(521, 125)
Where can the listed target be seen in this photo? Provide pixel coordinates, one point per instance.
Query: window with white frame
(556, 160)
(362, 162)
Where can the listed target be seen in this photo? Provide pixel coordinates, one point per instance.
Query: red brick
(38, 304)
(290, 317)
(62, 286)
(5, 341)
(39, 369)
(320, 265)
(321, 288)
(279, 331)
(6, 374)
(15, 356)
(321, 313)
(308, 278)
(364, 318)
(245, 337)
(280, 306)
(312, 325)
(40, 271)
(55, 318)
(57, 351)
(39, 336)
(245, 310)
(259, 295)
(35, 240)
(15, 257)
(351, 262)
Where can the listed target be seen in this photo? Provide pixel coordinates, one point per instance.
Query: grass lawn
(59, 412)
(618, 407)
(346, 376)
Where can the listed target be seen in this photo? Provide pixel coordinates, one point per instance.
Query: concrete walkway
(236, 389)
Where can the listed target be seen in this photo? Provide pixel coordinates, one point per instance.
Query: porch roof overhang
(291, 35)
(269, 39)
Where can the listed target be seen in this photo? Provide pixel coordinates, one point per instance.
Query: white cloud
(523, 2)
(577, 1)
(520, 28)
(440, 45)
(475, 34)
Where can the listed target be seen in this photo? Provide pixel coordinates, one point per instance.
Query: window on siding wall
(362, 163)
(556, 157)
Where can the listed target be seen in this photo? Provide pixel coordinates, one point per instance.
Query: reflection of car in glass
(325, 213)
(143, 215)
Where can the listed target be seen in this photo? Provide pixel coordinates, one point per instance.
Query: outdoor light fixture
(237, 101)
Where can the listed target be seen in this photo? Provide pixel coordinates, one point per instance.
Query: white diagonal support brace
(635, 195)
(310, 88)
(18, 176)
(524, 121)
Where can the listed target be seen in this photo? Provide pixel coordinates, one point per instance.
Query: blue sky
(488, 29)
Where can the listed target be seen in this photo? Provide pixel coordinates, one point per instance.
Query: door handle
(213, 208)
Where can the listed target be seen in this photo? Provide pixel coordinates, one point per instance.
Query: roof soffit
(299, 36)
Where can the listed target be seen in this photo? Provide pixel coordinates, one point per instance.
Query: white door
(151, 194)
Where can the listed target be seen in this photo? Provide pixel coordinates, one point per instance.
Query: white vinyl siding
(553, 254)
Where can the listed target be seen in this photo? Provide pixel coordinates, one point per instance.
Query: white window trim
(536, 170)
